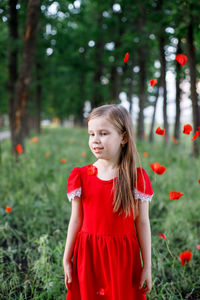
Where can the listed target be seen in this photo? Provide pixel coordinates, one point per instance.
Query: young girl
(109, 199)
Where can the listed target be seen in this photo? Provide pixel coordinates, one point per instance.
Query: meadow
(33, 233)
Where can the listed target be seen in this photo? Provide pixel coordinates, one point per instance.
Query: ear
(125, 138)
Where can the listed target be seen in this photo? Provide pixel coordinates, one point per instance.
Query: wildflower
(187, 129)
(153, 82)
(126, 57)
(63, 160)
(157, 168)
(185, 256)
(160, 131)
(8, 209)
(175, 195)
(162, 235)
(19, 149)
(181, 59)
(196, 135)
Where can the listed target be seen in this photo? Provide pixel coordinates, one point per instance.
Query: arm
(75, 224)
(144, 233)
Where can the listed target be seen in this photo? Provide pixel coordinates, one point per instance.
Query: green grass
(33, 234)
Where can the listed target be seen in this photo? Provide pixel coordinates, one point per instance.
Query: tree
(24, 78)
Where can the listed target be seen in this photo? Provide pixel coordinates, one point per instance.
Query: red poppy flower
(181, 59)
(153, 82)
(196, 135)
(187, 128)
(198, 247)
(126, 57)
(175, 195)
(199, 181)
(162, 235)
(8, 209)
(19, 149)
(92, 170)
(160, 131)
(63, 160)
(185, 256)
(157, 168)
(34, 139)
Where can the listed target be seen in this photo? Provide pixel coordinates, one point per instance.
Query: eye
(104, 133)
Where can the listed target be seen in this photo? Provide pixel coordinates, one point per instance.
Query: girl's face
(103, 135)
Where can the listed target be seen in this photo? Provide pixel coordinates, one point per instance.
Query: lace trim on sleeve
(142, 196)
(76, 192)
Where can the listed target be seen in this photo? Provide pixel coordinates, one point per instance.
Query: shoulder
(74, 183)
(143, 186)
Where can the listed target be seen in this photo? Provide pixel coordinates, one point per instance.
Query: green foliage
(33, 234)
(67, 74)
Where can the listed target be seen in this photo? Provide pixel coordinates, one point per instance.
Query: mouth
(97, 149)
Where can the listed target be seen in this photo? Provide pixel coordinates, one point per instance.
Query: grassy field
(33, 234)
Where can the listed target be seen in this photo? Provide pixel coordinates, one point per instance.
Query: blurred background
(58, 61)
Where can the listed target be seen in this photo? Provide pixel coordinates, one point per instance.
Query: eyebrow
(99, 130)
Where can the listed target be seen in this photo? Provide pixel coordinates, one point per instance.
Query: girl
(109, 199)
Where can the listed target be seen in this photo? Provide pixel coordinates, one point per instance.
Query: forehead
(99, 123)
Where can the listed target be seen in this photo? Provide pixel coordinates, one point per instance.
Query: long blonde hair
(124, 196)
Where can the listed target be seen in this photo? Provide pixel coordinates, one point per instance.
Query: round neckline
(105, 181)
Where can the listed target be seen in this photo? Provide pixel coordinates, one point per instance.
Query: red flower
(157, 168)
(63, 160)
(8, 209)
(92, 170)
(126, 57)
(181, 59)
(175, 195)
(19, 149)
(153, 82)
(196, 135)
(160, 131)
(185, 256)
(198, 247)
(187, 128)
(162, 235)
(199, 181)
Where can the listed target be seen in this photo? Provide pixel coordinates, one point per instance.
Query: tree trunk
(163, 84)
(142, 74)
(12, 58)
(151, 134)
(23, 82)
(38, 97)
(130, 91)
(115, 78)
(192, 69)
(97, 94)
(178, 95)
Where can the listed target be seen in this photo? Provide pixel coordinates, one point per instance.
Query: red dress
(106, 255)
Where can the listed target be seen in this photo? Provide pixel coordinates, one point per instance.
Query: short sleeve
(74, 184)
(142, 192)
